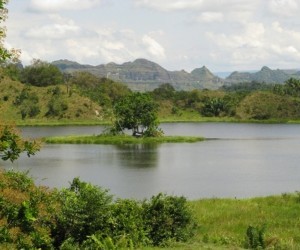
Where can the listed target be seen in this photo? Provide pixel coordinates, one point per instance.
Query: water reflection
(138, 155)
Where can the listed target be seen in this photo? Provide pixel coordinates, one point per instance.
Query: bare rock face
(143, 75)
(265, 75)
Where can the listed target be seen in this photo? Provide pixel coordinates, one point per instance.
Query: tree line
(244, 101)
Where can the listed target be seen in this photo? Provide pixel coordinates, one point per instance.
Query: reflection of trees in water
(138, 155)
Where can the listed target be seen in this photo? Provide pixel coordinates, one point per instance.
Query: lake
(237, 160)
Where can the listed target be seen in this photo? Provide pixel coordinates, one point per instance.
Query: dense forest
(41, 91)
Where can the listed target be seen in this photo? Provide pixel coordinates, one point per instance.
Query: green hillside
(28, 104)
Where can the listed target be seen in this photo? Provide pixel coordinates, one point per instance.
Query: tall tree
(137, 112)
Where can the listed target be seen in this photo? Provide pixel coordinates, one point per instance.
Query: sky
(223, 35)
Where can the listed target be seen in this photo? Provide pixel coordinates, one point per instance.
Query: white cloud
(53, 31)
(153, 47)
(60, 5)
(168, 5)
(284, 7)
(199, 5)
(208, 17)
(257, 45)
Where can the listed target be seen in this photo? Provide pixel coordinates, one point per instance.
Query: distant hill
(265, 75)
(143, 74)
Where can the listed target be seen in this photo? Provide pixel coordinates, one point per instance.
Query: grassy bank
(122, 139)
(224, 222)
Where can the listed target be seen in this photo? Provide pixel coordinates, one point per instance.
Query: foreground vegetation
(84, 216)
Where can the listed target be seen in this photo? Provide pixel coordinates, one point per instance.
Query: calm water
(240, 160)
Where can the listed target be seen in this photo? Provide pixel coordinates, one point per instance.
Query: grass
(223, 222)
(121, 139)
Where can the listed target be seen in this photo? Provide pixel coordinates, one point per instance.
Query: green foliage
(164, 92)
(41, 74)
(101, 90)
(25, 213)
(247, 87)
(17, 99)
(98, 242)
(89, 218)
(57, 105)
(214, 107)
(128, 221)
(84, 80)
(85, 210)
(255, 237)
(266, 105)
(30, 219)
(28, 103)
(12, 145)
(167, 218)
(136, 112)
(291, 87)
(13, 71)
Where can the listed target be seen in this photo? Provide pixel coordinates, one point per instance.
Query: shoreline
(53, 123)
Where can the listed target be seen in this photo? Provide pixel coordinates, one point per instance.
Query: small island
(119, 139)
(136, 112)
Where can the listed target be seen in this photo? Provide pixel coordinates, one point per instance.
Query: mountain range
(143, 74)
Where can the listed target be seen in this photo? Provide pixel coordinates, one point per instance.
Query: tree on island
(137, 112)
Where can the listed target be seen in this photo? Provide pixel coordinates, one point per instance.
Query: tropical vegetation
(84, 216)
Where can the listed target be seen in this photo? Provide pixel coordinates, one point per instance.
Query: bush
(128, 221)
(56, 107)
(167, 218)
(214, 107)
(28, 103)
(26, 213)
(86, 209)
(255, 237)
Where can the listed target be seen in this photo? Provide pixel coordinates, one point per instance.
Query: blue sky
(223, 35)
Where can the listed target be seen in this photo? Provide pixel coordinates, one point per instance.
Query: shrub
(255, 237)
(214, 107)
(56, 107)
(167, 218)
(28, 103)
(128, 221)
(26, 213)
(86, 209)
